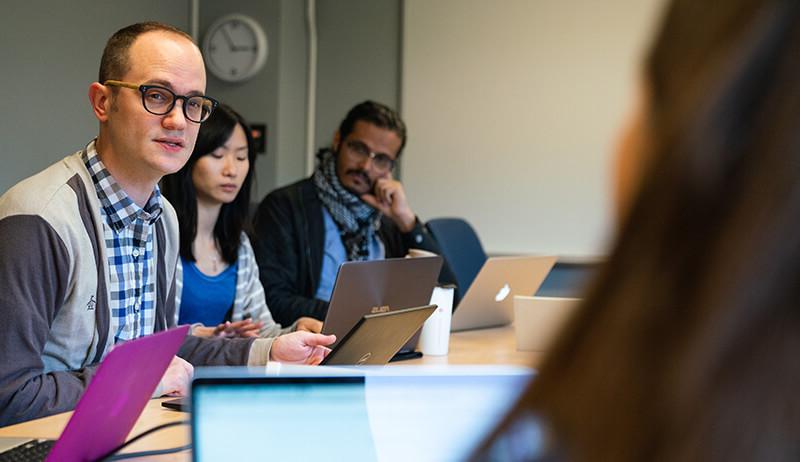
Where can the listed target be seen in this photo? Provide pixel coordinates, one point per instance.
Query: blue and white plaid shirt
(128, 235)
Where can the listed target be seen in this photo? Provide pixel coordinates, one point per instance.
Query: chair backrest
(461, 249)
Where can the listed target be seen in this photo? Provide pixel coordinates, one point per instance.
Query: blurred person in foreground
(686, 345)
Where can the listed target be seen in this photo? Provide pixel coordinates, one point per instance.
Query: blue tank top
(206, 299)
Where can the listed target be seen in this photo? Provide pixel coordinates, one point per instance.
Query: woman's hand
(244, 328)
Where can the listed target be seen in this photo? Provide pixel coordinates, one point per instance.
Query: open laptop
(397, 413)
(489, 300)
(373, 341)
(377, 337)
(111, 404)
(378, 286)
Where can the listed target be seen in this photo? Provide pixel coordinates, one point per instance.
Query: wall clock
(235, 48)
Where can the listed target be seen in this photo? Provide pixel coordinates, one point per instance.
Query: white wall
(512, 108)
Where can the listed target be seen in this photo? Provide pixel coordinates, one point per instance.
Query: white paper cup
(538, 320)
(435, 337)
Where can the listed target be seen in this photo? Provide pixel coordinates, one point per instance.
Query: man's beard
(361, 173)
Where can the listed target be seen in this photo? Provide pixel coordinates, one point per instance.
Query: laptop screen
(401, 415)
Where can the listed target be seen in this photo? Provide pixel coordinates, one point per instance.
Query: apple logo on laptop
(502, 293)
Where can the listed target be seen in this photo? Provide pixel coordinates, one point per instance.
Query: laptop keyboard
(35, 450)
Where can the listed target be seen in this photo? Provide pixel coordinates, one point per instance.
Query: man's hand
(309, 325)
(389, 198)
(244, 328)
(301, 348)
(176, 379)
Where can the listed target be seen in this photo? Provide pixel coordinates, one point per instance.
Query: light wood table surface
(484, 346)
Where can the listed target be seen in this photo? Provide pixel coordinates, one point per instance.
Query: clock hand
(228, 39)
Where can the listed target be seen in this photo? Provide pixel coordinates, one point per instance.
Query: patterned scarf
(357, 221)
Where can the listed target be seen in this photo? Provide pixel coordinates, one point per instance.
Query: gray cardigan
(54, 296)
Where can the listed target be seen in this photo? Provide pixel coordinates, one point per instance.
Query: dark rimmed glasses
(158, 100)
(360, 152)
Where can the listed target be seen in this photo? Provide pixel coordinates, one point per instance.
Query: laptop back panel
(377, 337)
(489, 300)
(369, 287)
(116, 395)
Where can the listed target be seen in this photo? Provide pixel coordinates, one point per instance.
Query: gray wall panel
(50, 52)
(256, 99)
(359, 51)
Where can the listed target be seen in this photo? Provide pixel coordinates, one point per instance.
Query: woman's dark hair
(686, 347)
(179, 189)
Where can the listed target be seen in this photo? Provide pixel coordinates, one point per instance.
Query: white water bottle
(435, 337)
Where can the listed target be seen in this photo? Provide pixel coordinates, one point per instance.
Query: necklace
(208, 260)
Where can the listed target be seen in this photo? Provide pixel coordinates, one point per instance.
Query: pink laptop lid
(116, 396)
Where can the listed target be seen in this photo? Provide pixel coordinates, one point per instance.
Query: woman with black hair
(217, 284)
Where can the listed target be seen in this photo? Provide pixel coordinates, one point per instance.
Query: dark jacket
(289, 240)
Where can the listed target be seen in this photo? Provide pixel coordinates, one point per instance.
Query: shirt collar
(120, 209)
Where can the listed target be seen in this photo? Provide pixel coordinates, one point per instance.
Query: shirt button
(135, 253)
(135, 307)
(418, 238)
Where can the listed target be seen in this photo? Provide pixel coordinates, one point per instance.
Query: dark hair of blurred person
(686, 345)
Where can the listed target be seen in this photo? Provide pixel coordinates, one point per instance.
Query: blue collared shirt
(128, 236)
(334, 254)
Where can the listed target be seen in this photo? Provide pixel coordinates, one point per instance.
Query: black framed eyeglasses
(360, 151)
(158, 100)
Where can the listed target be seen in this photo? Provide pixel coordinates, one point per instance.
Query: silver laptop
(489, 300)
(378, 286)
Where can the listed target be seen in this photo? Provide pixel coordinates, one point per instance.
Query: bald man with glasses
(351, 208)
(88, 247)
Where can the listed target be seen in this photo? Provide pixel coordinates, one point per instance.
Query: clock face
(235, 48)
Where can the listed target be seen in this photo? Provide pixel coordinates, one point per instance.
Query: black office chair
(461, 249)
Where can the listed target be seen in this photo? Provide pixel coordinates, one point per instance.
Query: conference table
(483, 346)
